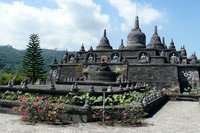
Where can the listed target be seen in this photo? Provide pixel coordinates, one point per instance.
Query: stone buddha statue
(115, 58)
(103, 66)
(71, 60)
(103, 72)
(174, 59)
(90, 58)
(144, 58)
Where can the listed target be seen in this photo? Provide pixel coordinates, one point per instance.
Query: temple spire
(104, 33)
(54, 61)
(104, 43)
(155, 31)
(172, 46)
(163, 40)
(121, 45)
(82, 48)
(137, 22)
(91, 49)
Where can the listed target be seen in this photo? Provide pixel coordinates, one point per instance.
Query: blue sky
(66, 24)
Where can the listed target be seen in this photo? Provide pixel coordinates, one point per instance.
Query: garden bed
(125, 108)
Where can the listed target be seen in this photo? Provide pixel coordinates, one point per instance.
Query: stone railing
(154, 102)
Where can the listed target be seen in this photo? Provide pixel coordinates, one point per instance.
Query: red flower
(20, 108)
(35, 105)
(23, 99)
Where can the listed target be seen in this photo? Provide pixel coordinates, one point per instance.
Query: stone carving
(187, 75)
(74, 87)
(174, 59)
(24, 83)
(103, 66)
(109, 89)
(187, 89)
(144, 58)
(125, 61)
(54, 73)
(90, 58)
(184, 61)
(162, 53)
(65, 57)
(11, 82)
(76, 58)
(104, 59)
(122, 79)
(71, 60)
(115, 58)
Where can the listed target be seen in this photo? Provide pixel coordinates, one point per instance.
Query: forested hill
(10, 58)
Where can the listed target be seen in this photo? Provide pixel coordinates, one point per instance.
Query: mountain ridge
(11, 58)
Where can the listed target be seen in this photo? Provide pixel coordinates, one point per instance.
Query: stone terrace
(174, 117)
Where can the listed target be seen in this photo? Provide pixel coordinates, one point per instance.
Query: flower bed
(124, 109)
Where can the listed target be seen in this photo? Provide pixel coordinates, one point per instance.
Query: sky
(66, 24)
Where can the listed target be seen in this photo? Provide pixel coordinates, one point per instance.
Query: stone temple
(154, 63)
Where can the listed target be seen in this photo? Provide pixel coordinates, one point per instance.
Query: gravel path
(174, 117)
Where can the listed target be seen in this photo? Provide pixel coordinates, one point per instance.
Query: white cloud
(127, 9)
(67, 26)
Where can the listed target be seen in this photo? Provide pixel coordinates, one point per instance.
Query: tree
(1, 64)
(33, 62)
(198, 61)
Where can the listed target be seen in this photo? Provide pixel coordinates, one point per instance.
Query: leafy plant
(118, 70)
(80, 99)
(10, 95)
(85, 71)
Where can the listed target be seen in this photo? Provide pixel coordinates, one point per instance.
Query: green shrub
(19, 78)
(6, 77)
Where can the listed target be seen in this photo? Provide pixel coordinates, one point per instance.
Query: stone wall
(159, 75)
(70, 73)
